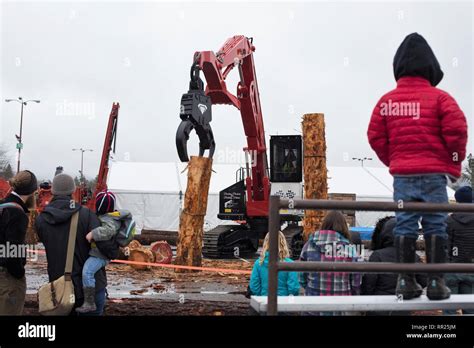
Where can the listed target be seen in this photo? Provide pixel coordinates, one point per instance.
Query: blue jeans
(420, 188)
(91, 267)
(100, 297)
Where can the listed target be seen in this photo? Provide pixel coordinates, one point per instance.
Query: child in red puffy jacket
(420, 133)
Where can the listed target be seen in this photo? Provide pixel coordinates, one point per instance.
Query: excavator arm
(109, 146)
(195, 113)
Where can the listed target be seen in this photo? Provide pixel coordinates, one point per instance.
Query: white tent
(154, 192)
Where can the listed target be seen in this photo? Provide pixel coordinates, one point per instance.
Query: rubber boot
(407, 287)
(89, 301)
(436, 252)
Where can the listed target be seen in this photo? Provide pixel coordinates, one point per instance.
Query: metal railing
(275, 266)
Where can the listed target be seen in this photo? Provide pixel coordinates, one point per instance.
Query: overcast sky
(329, 57)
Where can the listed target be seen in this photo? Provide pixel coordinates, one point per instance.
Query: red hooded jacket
(417, 128)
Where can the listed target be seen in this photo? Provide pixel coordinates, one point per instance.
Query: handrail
(274, 266)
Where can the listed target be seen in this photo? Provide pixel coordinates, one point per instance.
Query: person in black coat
(460, 228)
(384, 251)
(13, 225)
(53, 226)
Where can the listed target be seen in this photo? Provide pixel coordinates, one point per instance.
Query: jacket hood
(323, 237)
(120, 214)
(59, 210)
(386, 239)
(415, 57)
(463, 218)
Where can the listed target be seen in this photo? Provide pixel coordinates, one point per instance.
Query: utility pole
(19, 138)
(82, 163)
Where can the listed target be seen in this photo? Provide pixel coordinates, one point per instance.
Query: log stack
(314, 169)
(191, 223)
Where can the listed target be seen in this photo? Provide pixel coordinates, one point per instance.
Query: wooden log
(191, 222)
(314, 169)
(136, 252)
(162, 251)
(147, 237)
(141, 255)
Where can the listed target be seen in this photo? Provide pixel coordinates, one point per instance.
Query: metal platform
(360, 303)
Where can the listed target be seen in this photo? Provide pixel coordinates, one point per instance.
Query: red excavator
(246, 201)
(82, 193)
(4, 188)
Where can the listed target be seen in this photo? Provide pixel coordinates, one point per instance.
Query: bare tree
(5, 162)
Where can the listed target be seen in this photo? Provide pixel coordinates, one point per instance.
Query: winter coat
(53, 226)
(287, 281)
(460, 228)
(13, 226)
(104, 243)
(385, 283)
(417, 128)
(330, 246)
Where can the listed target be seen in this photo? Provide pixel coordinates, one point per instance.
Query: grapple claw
(182, 137)
(195, 114)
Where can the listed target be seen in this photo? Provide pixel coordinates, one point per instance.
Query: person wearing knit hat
(104, 202)
(464, 194)
(63, 185)
(53, 228)
(14, 213)
(460, 228)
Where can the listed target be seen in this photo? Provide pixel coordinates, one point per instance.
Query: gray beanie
(63, 185)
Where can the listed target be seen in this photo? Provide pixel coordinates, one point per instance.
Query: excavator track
(229, 241)
(294, 239)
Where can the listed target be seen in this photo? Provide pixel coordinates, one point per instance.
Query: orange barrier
(164, 265)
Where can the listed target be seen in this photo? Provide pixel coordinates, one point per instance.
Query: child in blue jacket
(287, 281)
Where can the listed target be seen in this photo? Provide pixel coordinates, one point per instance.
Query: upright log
(191, 222)
(314, 168)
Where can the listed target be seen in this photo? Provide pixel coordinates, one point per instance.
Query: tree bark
(191, 222)
(314, 169)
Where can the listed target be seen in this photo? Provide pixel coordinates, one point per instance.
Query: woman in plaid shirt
(332, 243)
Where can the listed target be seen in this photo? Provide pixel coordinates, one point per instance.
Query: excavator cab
(286, 170)
(286, 160)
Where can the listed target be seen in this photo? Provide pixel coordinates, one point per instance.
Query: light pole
(82, 162)
(361, 160)
(19, 145)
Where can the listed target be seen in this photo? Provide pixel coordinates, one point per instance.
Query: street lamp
(82, 162)
(361, 160)
(19, 145)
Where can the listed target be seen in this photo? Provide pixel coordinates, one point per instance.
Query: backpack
(127, 230)
(6, 205)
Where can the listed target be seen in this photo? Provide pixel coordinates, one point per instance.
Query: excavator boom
(237, 52)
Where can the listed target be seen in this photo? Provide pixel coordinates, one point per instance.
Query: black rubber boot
(436, 252)
(407, 287)
(89, 301)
